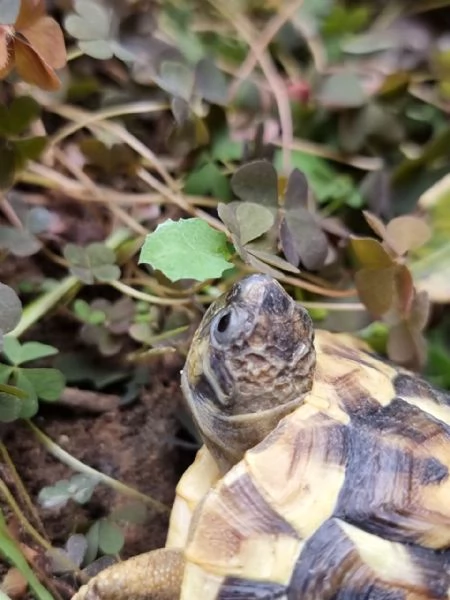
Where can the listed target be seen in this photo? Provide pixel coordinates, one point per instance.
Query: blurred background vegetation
(151, 153)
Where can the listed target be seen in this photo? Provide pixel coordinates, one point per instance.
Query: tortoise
(324, 473)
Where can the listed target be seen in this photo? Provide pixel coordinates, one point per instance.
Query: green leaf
(187, 249)
(28, 149)
(18, 353)
(7, 164)
(78, 488)
(13, 554)
(92, 21)
(29, 404)
(47, 383)
(92, 538)
(18, 116)
(19, 242)
(210, 82)
(176, 78)
(256, 182)
(301, 237)
(9, 407)
(326, 182)
(5, 373)
(132, 512)
(95, 26)
(79, 368)
(208, 179)
(9, 10)
(342, 90)
(246, 220)
(10, 310)
(110, 537)
(95, 261)
(12, 350)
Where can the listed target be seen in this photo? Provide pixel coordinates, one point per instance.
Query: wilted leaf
(370, 253)
(406, 346)
(341, 90)
(187, 249)
(46, 38)
(32, 67)
(256, 182)
(407, 233)
(376, 288)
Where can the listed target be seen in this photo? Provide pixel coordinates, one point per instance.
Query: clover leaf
(34, 383)
(93, 262)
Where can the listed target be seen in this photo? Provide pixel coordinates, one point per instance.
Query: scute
(352, 489)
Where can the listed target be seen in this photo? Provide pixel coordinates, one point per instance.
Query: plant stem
(23, 520)
(129, 291)
(80, 467)
(20, 486)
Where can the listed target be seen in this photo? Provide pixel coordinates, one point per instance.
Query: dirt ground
(135, 444)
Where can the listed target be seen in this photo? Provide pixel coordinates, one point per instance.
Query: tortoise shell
(325, 470)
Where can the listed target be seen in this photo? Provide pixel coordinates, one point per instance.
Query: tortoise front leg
(155, 575)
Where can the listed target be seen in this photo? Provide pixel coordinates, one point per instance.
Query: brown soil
(134, 444)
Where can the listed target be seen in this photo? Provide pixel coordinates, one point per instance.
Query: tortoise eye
(223, 322)
(226, 326)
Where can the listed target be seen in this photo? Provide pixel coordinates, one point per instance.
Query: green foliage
(10, 310)
(13, 554)
(16, 148)
(188, 248)
(95, 262)
(78, 488)
(184, 133)
(95, 27)
(386, 287)
(342, 90)
(34, 383)
(24, 241)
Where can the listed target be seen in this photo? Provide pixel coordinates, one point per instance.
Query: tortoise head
(250, 363)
